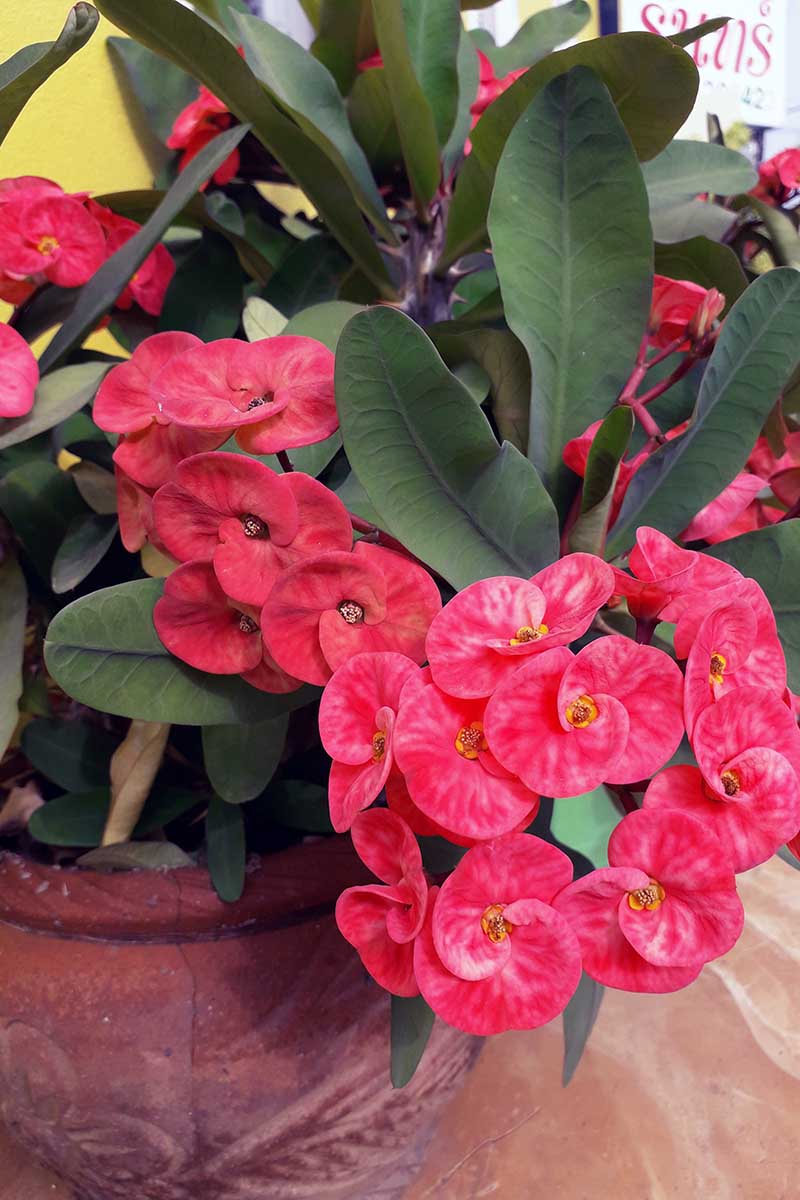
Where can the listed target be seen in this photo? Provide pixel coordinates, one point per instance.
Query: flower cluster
(48, 236)
(270, 585)
(778, 178)
(505, 711)
(197, 125)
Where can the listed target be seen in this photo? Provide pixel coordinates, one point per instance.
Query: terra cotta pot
(156, 1044)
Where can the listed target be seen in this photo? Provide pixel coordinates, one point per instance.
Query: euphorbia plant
(491, 446)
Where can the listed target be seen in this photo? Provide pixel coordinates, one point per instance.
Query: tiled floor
(693, 1096)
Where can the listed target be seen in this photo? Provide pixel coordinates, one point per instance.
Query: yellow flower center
(470, 740)
(582, 712)
(526, 633)
(731, 782)
(716, 667)
(494, 924)
(47, 244)
(650, 897)
(378, 745)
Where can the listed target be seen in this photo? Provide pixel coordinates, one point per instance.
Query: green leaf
(88, 538)
(227, 849)
(473, 377)
(195, 44)
(412, 112)
(79, 818)
(685, 169)
(573, 251)
(468, 77)
(433, 28)
(412, 1022)
(346, 38)
(298, 804)
(782, 232)
(98, 295)
(771, 556)
(585, 823)
(136, 856)
(691, 219)
(40, 501)
(372, 119)
(704, 262)
(13, 619)
(310, 274)
(428, 460)
(540, 35)
(505, 361)
(307, 91)
(240, 760)
(602, 471)
(261, 319)
(103, 651)
(356, 500)
(324, 322)
(28, 69)
(96, 485)
(58, 396)
(73, 754)
(160, 88)
(205, 295)
(579, 1018)
(687, 36)
(757, 350)
(652, 83)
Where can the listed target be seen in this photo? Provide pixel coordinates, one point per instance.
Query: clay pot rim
(291, 887)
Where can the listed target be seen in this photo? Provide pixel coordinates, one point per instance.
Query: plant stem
(284, 460)
(683, 368)
(645, 628)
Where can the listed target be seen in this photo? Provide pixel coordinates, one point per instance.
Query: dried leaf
(133, 768)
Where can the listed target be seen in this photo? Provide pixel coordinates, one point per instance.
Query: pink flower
(128, 402)
(576, 455)
(148, 285)
(746, 788)
(490, 86)
(276, 393)
(19, 374)
(197, 623)
(778, 177)
(49, 237)
(711, 523)
(661, 572)
(356, 723)
(565, 723)
(382, 922)
(483, 634)
(665, 906)
(197, 125)
(451, 775)
(674, 304)
(494, 954)
(251, 523)
(321, 611)
(732, 650)
(135, 511)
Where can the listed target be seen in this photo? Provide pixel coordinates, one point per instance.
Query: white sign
(748, 69)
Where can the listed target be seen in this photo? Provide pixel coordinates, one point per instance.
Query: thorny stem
(683, 368)
(647, 421)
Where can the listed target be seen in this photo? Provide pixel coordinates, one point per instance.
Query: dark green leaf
(73, 754)
(58, 396)
(104, 652)
(298, 804)
(227, 849)
(136, 856)
(96, 485)
(88, 538)
(652, 83)
(13, 618)
(685, 169)
(433, 28)
(579, 1018)
(346, 38)
(691, 219)
(412, 112)
(99, 294)
(372, 119)
(27, 70)
(687, 36)
(412, 1022)
(573, 251)
(757, 350)
(428, 461)
(161, 89)
(205, 295)
(310, 274)
(473, 377)
(79, 818)
(468, 77)
(195, 44)
(704, 262)
(356, 500)
(602, 470)
(40, 501)
(540, 35)
(307, 91)
(324, 322)
(782, 232)
(772, 557)
(585, 823)
(240, 760)
(503, 357)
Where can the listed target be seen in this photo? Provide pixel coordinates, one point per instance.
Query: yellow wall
(527, 7)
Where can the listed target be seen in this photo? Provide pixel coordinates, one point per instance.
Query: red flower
(566, 722)
(323, 610)
(674, 304)
(665, 906)
(197, 125)
(277, 393)
(148, 285)
(382, 922)
(483, 634)
(356, 724)
(197, 623)
(494, 954)
(714, 520)
(451, 775)
(490, 86)
(746, 786)
(374, 60)
(778, 177)
(49, 237)
(661, 572)
(128, 402)
(135, 511)
(251, 523)
(19, 374)
(576, 455)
